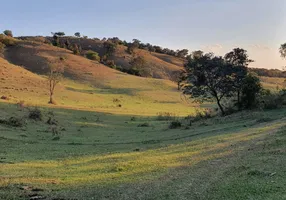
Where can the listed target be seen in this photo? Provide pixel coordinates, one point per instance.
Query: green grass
(101, 155)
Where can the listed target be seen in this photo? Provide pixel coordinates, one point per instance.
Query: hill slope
(87, 84)
(160, 66)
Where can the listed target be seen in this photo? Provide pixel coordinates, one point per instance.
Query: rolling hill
(159, 66)
(86, 84)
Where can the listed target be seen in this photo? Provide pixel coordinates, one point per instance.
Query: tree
(68, 44)
(77, 34)
(76, 49)
(132, 46)
(59, 34)
(110, 48)
(239, 61)
(208, 78)
(56, 40)
(251, 86)
(195, 54)
(238, 56)
(182, 53)
(92, 55)
(8, 33)
(180, 77)
(54, 77)
(136, 42)
(282, 50)
(138, 64)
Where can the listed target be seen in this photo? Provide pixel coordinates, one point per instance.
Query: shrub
(2, 47)
(132, 71)
(92, 55)
(165, 116)
(8, 41)
(250, 89)
(52, 121)
(35, 114)
(144, 125)
(111, 63)
(13, 121)
(201, 115)
(175, 124)
(271, 101)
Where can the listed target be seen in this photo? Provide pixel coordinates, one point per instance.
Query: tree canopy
(210, 77)
(77, 34)
(8, 33)
(282, 50)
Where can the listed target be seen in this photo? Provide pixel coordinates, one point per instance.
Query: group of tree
(215, 78)
(269, 72)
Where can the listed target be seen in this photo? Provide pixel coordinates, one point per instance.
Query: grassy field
(105, 138)
(110, 156)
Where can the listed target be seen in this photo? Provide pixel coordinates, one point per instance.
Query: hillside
(158, 65)
(87, 84)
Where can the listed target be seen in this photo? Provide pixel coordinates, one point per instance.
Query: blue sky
(259, 26)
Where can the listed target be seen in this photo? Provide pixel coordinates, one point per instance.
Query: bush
(175, 124)
(8, 41)
(92, 55)
(13, 121)
(35, 114)
(2, 47)
(132, 71)
(165, 116)
(201, 115)
(144, 125)
(111, 64)
(250, 89)
(268, 100)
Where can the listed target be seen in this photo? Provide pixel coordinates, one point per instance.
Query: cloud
(213, 47)
(260, 47)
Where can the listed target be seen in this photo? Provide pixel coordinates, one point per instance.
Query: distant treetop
(77, 34)
(8, 33)
(59, 34)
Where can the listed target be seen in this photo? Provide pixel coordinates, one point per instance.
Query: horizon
(211, 26)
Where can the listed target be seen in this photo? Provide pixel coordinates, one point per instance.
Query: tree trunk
(51, 99)
(238, 100)
(220, 106)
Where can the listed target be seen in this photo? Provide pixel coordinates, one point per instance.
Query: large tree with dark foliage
(239, 61)
(208, 78)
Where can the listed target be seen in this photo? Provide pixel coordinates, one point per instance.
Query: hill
(87, 84)
(158, 65)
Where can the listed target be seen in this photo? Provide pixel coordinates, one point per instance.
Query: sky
(218, 26)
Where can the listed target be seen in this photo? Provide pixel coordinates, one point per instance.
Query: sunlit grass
(126, 167)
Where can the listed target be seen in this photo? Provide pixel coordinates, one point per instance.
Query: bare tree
(54, 77)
